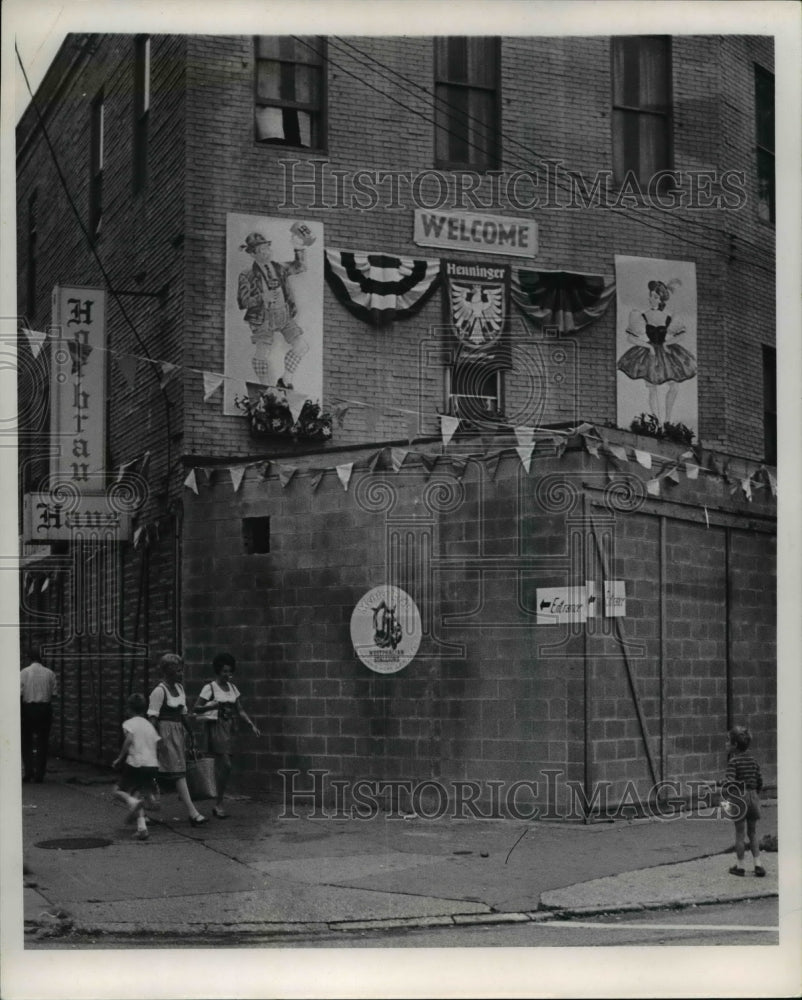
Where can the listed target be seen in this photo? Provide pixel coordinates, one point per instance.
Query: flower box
(269, 416)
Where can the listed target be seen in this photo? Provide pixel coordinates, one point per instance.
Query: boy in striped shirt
(742, 783)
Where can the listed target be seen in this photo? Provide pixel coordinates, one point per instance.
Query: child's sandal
(760, 871)
(735, 870)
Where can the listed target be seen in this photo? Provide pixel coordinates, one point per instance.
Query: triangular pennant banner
(191, 482)
(644, 458)
(525, 453)
(236, 472)
(592, 445)
(746, 486)
(264, 472)
(128, 365)
(491, 464)
(339, 414)
(211, 383)
(618, 451)
(317, 478)
(691, 471)
(285, 474)
(344, 473)
(169, 371)
(772, 483)
(459, 465)
(560, 444)
(373, 461)
(448, 428)
(673, 474)
(295, 401)
(35, 339)
(137, 536)
(524, 436)
(653, 487)
(428, 462)
(122, 471)
(397, 456)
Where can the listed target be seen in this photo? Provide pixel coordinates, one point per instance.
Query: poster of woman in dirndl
(656, 341)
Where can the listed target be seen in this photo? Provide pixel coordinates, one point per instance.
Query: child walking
(739, 792)
(137, 786)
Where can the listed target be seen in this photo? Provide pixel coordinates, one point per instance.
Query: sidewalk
(256, 874)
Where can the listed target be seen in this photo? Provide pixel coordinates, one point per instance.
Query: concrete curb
(294, 929)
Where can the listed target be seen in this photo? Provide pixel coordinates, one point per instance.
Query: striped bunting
(378, 288)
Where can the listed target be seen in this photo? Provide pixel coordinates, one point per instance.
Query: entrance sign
(563, 605)
(615, 598)
(476, 233)
(386, 629)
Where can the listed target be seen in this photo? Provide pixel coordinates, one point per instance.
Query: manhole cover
(73, 843)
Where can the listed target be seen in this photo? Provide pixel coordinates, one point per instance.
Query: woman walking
(219, 705)
(167, 711)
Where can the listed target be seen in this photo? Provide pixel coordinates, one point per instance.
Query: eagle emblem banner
(476, 303)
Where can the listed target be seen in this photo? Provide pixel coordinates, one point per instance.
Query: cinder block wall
(491, 696)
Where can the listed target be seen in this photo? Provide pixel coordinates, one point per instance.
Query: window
(473, 393)
(290, 90)
(770, 405)
(641, 71)
(32, 239)
(141, 111)
(764, 130)
(96, 166)
(256, 535)
(466, 87)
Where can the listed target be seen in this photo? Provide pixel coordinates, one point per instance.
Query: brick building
(265, 546)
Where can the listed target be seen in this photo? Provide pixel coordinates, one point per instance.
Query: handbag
(201, 780)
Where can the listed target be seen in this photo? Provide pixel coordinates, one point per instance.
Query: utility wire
(638, 219)
(435, 101)
(90, 243)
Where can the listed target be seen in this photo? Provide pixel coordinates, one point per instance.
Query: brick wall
(549, 112)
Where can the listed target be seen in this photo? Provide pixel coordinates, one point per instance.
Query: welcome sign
(476, 232)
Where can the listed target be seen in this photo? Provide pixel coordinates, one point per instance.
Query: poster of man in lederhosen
(274, 305)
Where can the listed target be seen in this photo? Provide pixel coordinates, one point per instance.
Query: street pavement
(259, 874)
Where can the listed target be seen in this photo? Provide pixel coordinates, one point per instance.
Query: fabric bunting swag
(561, 299)
(378, 288)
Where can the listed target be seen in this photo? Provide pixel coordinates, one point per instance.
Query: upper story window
(32, 240)
(641, 71)
(764, 134)
(141, 111)
(290, 90)
(474, 393)
(467, 98)
(96, 154)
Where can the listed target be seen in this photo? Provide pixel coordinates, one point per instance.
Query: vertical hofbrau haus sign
(78, 387)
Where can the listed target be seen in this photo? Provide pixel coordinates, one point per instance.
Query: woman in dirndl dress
(219, 705)
(167, 711)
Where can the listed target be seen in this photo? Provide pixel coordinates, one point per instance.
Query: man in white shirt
(38, 687)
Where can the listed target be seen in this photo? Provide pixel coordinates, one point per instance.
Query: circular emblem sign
(386, 629)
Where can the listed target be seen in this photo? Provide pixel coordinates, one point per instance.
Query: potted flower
(269, 415)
